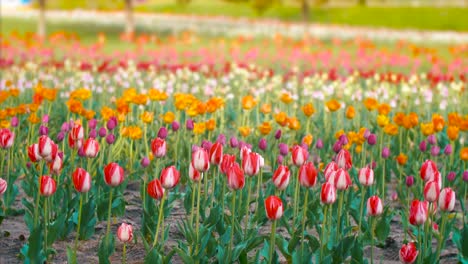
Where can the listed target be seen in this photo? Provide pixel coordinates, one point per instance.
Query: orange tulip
(452, 132)
(464, 154)
(244, 131)
(384, 109)
(168, 117)
(265, 108)
(308, 109)
(382, 120)
(333, 105)
(371, 104)
(294, 123)
(147, 117)
(402, 159)
(210, 124)
(438, 122)
(281, 118)
(248, 102)
(391, 129)
(265, 128)
(350, 112)
(286, 98)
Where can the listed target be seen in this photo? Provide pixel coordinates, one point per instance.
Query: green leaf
(71, 256)
(106, 248)
(357, 254)
(32, 251)
(153, 257)
(187, 259)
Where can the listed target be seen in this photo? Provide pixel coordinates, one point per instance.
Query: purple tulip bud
(65, 127)
(92, 133)
(304, 146)
(262, 144)
(385, 152)
(283, 149)
(337, 146)
(233, 142)
(189, 124)
(409, 181)
(60, 154)
(145, 162)
(319, 144)
(448, 150)
(43, 130)
(110, 139)
(92, 123)
(206, 145)
(278, 134)
(111, 123)
(28, 164)
(394, 196)
(423, 146)
(221, 139)
(451, 176)
(465, 176)
(279, 159)
(14, 121)
(367, 133)
(81, 152)
(60, 136)
(162, 133)
(372, 139)
(373, 165)
(343, 139)
(102, 132)
(45, 119)
(432, 139)
(195, 148)
(435, 150)
(175, 126)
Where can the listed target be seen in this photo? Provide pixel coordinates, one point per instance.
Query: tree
(305, 9)
(129, 22)
(41, 25)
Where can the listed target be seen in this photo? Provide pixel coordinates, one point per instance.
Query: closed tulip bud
(56, 165)
(45, 146)
(374, 206)
(33, 153)
(110, 139)
(170, 177)
(125, 233)
(235, 177)
(423, 146)
(194, 175)
(81, 180)
(342, 179)
(175, 126)
(93, 133)
(189, 124)
(279, 159)
(343, 159)
(14, 121)
(329, 169)
(158, 147)
(233, 142)
(319, 144)
(274, 207)
(43, 130)
(91, 148)
(283, 149)
(337, 146)
(465, 176)
(251, 163)
(92, 123)
(428, 170)
(200, 160)
(81, 152)
(448, 150)
(366, 176)
(262, 144)
(394, 196)
(278, 134)
(451, 176)
(408, 253)
(409, 181)
(308, 175)
(281, 177)
(367, 133)
(60, 136)
(65, 127)
(343, 139)
(3, 186)
(447, 200)
(145, 162)
(372, 139)
(435, 150)
(431, 191)
(328, 193)
(45, 119)
(299, 155)
(162, 133)
(112, 123)
(47, 186)
(113, 174)
(155, 189)
(418, 212)
(226, 163)
(385, 152)
(206, 145)
(221, 139)
(431, 139)
(77, 132)
(102, 132)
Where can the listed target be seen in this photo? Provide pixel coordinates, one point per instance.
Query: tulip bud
(111, 123)
(366, 176)
(308, 175)
(418, 212)
(43, 130)
(45, 119)
(408, 253)
(262, 144)
(447, 200)
(428, 170)
(281, 177)
(278, 134)
(175, 126)
(385, 152)
(113, 174)
(170, 177)
(251, 163)
(33, 153)
(343, 140)
(189, 124)
(283, 149)
(158, 147)
(299, 155)
(145, 162)
(65, 127)
(423, 146)
(328, 193)
(91, 148)
(235, 177)
(372, 139)
(374, 206)
(93, 133)
(432, 139)
(337, 146)
(125, 233)
(319, 144)
(221, 139)
(3, 186)
(102, 132)
(451, 176)
(92, 123)
(409, 181)
(200, 160)
(162, 133)
(394, 196)
(342, 179)
(431, 191)
(47, 186)
(81, 152)
(343, 159)
(81, 180)
(60, 136)
(110, 139)
(14, 121)
(233, 142)
(279, 159)
(155, 189)
(274, 208)
(206, 145)
(448, 150)
(435, 150)
(465, 176)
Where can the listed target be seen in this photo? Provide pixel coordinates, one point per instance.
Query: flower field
(305, 151)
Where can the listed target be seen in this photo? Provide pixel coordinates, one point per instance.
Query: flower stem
(363, 195)
(109, 211)
(79, 223)
(124, 254)
(372, 241)
(442, 236)
(322, 237)
(272, 241)
(193, 205)
(249, 188)
(304, 214)
(340, 206)
(46, 224)
(296, 202)
(197, 223)
(420, 244)
(233, 218)
(160, 219)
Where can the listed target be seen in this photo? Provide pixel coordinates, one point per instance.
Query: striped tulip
(431, 191)
(374, 206)
(235, 177)
(113, 174)
(408, 253)
(125, 233)
(308, 175)
(91, 148)
(6, 138)
(343, 159)
(226, 163)
(281, 177)
(33, 153)
(46, 147)
(158, 147)
(77, 132)
(200, 160)
(155, 189)
(418, 212)
(47, 186)
(216, 153)
(328, 193)
(3, 186)
(366, 176)
(329, 169)
(299, 155)
(170, 177)
(342, 179)
(81, 180)
(56, 165)
(194, 175)
(428, 170)
(251, 163)
(447, 200)
(274, 207)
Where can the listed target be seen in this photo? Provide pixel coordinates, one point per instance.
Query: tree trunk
(41, 25)
(305, 10)
(129, 23)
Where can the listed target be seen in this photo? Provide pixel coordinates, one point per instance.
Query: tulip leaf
(32, 251)
(357, 254)
(71, 256)
(106, 248)
(153, 257)
(460, 237)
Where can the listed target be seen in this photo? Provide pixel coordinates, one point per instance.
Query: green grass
(428, 18)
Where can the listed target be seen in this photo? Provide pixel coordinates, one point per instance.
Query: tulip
(14, 121)
(235, 177)
(274, 207)
(45, 119)
(308, 175)
(46, 146)
(278, 134)
(43, 130)
(158, 147)
(194, 174)
(366, 176)
(113, 174)
(200, 160)
(33, 153)
(81, 180)
(93, 133)
(65, 127)
(319, 144)
(343, 159)
(74, 143)
(385, 152)
(56, 165)
(428, 170)
(251, 163)
(110, 139)
(447, 200)
(221, 139)
(418, 212)
(337, 146)
(374, 206)
(155, 189)
(91, 148)
(47, 186)
(408, 253)
(448, 150)
(102, 132)
(451, 176)
(125, 233)
(431, 139)
(343, 139)
(409, 181)
(162, 133)
(465, 176)
(175, 126)
(423, 146)
(299, 155)
(81, 152)
(145, 162)
(283, 149)
(170, 177)
(77, 132)
(216, 153)
(206, 145)
(111, 123)
(372, 139)
(233, 142)
(431, 191)
(342, 179)
(3, 186)
(226, 163)
(329, 169)
(189, 125)
(92, 123)
(328, 193)
(281, 177)
(60, 136)
(262, 144)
